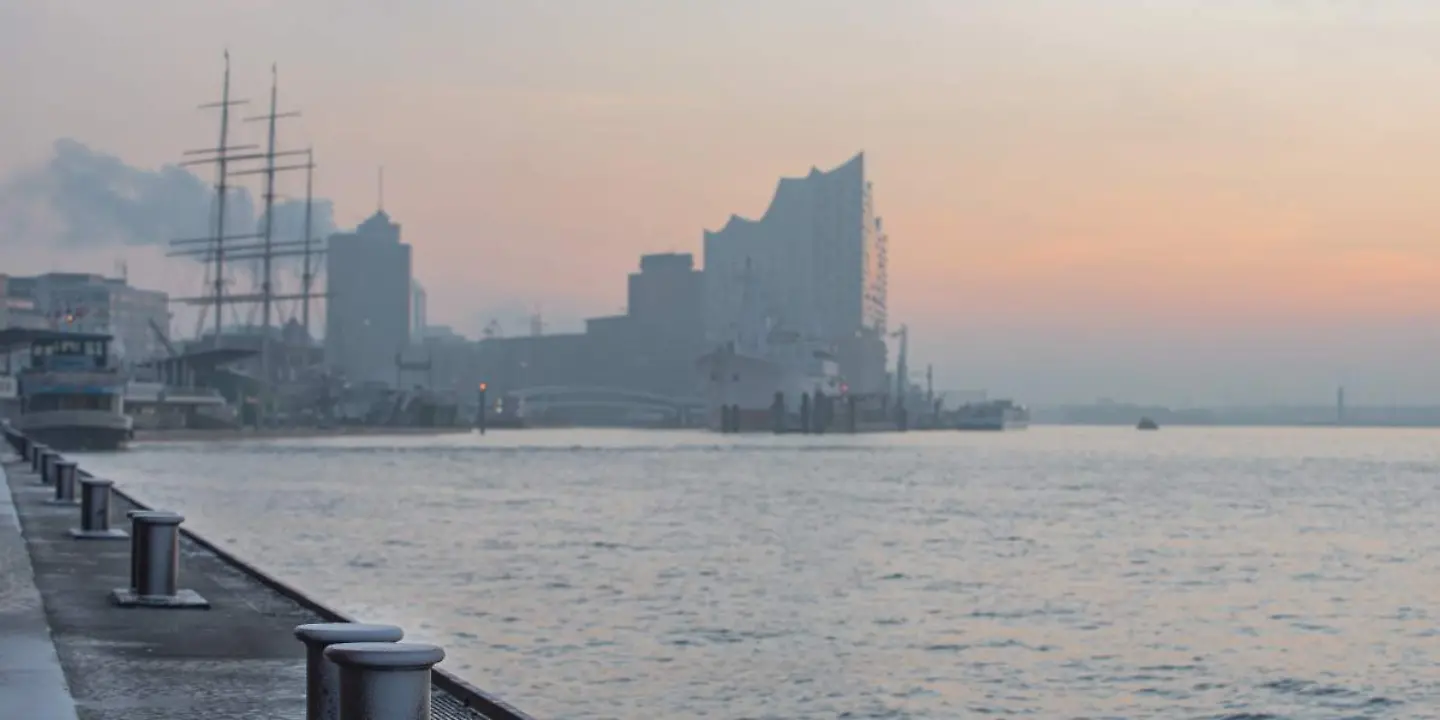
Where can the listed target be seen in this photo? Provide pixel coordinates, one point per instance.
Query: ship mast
(307, 275)
(267, 288)
(220, 156)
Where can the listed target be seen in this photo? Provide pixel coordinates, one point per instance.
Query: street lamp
(480, 410)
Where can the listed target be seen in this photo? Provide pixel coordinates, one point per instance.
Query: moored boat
(71, 397)
(992, 415)
(754, 382)
(762, 365)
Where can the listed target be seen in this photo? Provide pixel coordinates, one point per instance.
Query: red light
(482, 387)
(844, 388)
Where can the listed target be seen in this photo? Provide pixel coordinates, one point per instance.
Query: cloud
(83, 199)
(290, 220)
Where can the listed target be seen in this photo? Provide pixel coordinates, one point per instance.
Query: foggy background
(1189, 203)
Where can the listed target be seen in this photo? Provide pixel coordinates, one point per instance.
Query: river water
(1051, 573)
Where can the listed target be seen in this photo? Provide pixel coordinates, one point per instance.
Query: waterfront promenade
(67, 652)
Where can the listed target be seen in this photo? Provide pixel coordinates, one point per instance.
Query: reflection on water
(1051, 573)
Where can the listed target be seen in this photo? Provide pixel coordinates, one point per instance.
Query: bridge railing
(610, 393)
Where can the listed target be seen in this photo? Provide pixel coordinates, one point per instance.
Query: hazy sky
(1192, 200)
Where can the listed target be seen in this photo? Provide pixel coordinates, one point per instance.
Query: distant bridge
(538, 401)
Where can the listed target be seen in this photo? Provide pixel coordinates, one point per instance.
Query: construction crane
(902, 369)
(160, 335)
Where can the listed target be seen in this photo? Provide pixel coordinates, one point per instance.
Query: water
(1052, 573)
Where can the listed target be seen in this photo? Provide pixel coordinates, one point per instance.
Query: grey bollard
(95, 512)
(35, 458)
(322, 677)
(47, 467)
(155, 565)
(66, 472)
(384, 681)
(158, 574)
(138, 518)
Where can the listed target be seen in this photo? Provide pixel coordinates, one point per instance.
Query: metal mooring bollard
(384, 681)
(47, 466)
(157, 571)
(322, 677)
(138, 519)
(24, 448)
(35, 458)
(95, 512)
(65, 474)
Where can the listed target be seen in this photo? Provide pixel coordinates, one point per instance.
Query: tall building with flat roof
(817, 262)
(368, 310)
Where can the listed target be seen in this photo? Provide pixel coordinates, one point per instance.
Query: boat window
(42, 403)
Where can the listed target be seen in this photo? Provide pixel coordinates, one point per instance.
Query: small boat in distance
(1147, 424)
(71, 398)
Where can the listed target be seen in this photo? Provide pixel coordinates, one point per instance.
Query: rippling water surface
(1052, 573)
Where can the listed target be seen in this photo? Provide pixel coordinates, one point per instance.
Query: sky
(1185, 202)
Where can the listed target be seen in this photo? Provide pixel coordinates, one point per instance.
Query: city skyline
(1206, 201)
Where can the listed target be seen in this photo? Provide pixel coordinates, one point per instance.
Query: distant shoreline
(164, 436)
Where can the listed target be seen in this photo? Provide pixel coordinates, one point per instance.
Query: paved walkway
(32, 685)
(238, 660)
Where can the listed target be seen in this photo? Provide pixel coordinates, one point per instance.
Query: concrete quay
(244, 434)
(69, 651)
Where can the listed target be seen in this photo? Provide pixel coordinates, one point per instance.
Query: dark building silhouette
(367, 311)
(652, 347)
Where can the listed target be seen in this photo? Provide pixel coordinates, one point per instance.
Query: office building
(82, 302)
(17, 304)
(369, 292)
